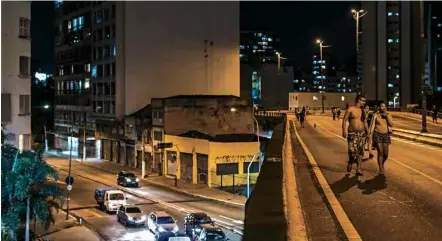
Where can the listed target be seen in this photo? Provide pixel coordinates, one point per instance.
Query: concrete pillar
(134, 161)
(178, 164)
(164, 161)
(194, 168)
(209, 170)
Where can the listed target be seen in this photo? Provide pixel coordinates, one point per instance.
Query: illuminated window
(343, 98)
(75, 24)
(94, 71)
(390, 14)
(390, 40)
(114, 51)
(397, 40)
(314, 61)
(397, 14)
(315, 98)
(69, 25)
(390, 85)
(269, 39)
(72, 69)
(87, 83)
(296, 81)
(58, 3)
(397, 76)
(87, 68)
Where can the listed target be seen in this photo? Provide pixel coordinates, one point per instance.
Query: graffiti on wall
(233, 158)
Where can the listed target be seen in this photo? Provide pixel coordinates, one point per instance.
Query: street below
(406, 205)
(414, 124)
(149, 198)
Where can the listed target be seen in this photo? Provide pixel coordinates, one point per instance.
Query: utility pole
(69, 174)
(84, 141)
(143, 164)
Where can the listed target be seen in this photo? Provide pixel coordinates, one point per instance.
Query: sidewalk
(65, 230)
(197, 190)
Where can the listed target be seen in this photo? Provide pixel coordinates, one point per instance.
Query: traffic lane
(421, 157)
(402, 122)
(83, 204)
(189, 202)
(402, 207)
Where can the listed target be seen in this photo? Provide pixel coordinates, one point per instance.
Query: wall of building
(164, 50)
(12, 48)
(275, 86)
(314, 99)
(218, 153)
(212, 116)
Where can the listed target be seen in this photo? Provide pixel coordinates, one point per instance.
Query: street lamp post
(279, 60)
(248, 173)
(357, 14)
(394, 101)
(45, 129)
(321, 45)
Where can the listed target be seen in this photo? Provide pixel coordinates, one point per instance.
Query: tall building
(319, 69)
(433, 17)
(16, 72)
(109, 69)
(392, 50)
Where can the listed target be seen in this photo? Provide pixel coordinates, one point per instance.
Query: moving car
(162, 222)
(109, 198)
(211, 234)
(127, 179)
(193, 223)
(131, 215)
(164, 236)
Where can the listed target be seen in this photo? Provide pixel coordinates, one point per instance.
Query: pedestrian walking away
(382, 123)
(355, 133)
(339, 113)
(302, 118)
(334, 113)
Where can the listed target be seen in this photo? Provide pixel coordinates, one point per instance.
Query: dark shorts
(356, 143)
(381, 138)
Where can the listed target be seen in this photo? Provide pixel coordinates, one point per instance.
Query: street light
(321, 45)
(279, 60)
(233, 109)
(46, 106)
(248, 173)
(357, 14)
(394, 101)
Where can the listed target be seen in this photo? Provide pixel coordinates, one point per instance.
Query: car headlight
(143, 218)
(161, 229)
(137, 180)
(128, 179)
(130, 218)
(176, 229)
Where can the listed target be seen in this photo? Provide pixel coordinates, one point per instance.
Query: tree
(25, 187)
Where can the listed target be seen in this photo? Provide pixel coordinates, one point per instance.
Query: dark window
(6, 107)
(24, 65)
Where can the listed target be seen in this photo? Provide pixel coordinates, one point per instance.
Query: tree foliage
(26, 177)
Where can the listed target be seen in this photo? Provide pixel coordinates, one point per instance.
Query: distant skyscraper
(392, 52)
(433, 12)
(318, 70)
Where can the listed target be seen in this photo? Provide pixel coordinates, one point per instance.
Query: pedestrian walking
(333, 110)
(355, 133)
(338, 113)
(302, 118)
(369, 115)
(382, 123)
(434, 109)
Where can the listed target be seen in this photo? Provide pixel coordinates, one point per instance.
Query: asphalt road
(406, 205)
(83, 204)
(409, 123)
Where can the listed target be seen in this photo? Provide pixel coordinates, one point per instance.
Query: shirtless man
(356, 133)
(381, 134)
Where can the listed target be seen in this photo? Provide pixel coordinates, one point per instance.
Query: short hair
(381, 102)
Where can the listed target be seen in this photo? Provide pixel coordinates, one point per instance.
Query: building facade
(392, 49)
(118, 69)
(16, 73)
(312, 100)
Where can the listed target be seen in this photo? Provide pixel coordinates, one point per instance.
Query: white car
(159, 222)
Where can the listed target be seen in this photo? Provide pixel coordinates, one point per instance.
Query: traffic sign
(69, 187)
(164, 145)
(69, 180)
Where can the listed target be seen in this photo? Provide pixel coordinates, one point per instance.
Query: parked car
(127, 179)
(162, 222)
(180, 238)
(131, 215)
(211, 234)
(109, 198)
(193, 223)
(164, 236)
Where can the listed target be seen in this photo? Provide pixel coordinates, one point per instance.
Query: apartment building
(16, 72)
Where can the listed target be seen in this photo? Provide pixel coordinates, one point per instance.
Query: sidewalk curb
(174, 189)
(416, 138)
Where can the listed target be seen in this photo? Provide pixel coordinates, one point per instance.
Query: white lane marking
(349, 230)
(393, 159)
(233, 220)
(128, 192)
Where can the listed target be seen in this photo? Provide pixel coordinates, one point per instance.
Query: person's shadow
(373, 185)
(344, 184)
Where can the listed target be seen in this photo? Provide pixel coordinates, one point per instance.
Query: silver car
(131, 215)
(159, 222)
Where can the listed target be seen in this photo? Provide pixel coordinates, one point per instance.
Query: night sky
(299, 23)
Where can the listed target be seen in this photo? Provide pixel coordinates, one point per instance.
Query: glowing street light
(46, 106)
(321, 45)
